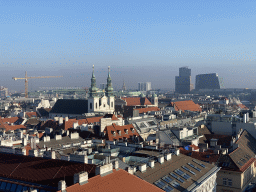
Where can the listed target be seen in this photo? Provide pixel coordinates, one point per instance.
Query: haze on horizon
(141, 41)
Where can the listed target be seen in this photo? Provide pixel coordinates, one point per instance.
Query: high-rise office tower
(183, 81)
(207, 81)
(144, 86)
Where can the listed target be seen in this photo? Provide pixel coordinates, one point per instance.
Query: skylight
(160, 184)
(182, 174)
(189, 170)
(167, 188)
(167, 179)
(196, 168)
(202, 165)
(178, 178)
(175, 184)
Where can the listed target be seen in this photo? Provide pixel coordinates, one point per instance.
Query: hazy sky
(141, 41)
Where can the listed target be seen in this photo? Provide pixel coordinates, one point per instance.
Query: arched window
(100, 102)
(90, 105)
(112, 104)
(96, 105)
(104, 105)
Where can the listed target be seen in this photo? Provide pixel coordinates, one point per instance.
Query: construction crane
(27, 78)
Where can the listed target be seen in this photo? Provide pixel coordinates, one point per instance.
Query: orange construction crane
(27, 78)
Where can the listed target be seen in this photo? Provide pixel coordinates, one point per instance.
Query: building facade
(144, 86)
(207, 81)
(183, 81)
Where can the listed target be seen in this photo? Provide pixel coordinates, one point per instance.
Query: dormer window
(126, 131)
(132, 129)
(113, 132)
(119, 132)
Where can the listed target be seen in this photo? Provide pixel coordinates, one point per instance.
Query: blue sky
(140, 40)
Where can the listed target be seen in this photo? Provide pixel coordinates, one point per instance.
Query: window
(229, 182)
(167, 188)
(167, 179)
(96, 105)
(160, 184)
(225, 181)
(104, 105)
(90, 105)
(112, 104)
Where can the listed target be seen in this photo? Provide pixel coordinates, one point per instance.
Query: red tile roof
(202, 156)
(194, 147)
(185, 105)
(6, 123)
(242, 106)
(117, 181)
(41, 171)
(148, 109)
(109, 130)
(31, 114)
(112, 116)
(133, 101)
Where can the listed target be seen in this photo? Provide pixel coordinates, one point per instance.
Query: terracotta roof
(109, 131)
(207, 156)
(69, 124)
(117, 181)
(188, 105)
(242, 106)
(31, 114)
(41, 171)
(112, 116)
(10, 120)
(194, 147)
(223, 140)
(133, 101)
(148, 109)
(93, 119)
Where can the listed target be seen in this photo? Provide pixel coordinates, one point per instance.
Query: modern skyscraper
(144, 86)
(183, 81)
(207, 81)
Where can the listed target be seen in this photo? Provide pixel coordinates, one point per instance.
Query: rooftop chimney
(151, 163)
(168, 156)
(142, 168)
(81, 178)
(62, 186)
(60, 120)
(160, 159)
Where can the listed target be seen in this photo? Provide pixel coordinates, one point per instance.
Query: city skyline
(141, 41)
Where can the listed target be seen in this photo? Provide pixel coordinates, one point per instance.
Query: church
(94, 104)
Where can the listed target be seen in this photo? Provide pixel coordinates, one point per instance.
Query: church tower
(154, 100)
(109, 93)
(93, 100)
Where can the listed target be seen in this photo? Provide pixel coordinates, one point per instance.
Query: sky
(142, 41)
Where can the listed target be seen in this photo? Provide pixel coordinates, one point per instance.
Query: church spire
(93, 89)
(109, 88)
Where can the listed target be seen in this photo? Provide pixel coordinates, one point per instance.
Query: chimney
(151, 163)
(60, 120)
(130, 170)
(142, 168)
(245, 118)
(177, 152)
(104, 170)
(168, 156)
(116, 165)
(160, 159)
(24, 141)
(66, 119)
(81, 178)
(67, 132)
(58, 137)
(62, 186)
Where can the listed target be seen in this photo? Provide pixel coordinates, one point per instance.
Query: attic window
(239, 163)
(243, 160)
(119, 132)
(113, 132)
(126, 131)
(132, 129)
